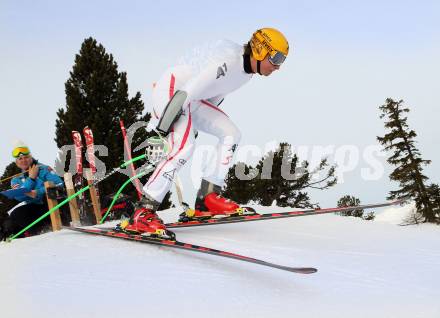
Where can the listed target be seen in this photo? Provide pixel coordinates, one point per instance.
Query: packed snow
(366, 269)
(397, 215)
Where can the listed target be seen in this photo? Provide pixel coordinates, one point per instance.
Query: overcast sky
(347, 58)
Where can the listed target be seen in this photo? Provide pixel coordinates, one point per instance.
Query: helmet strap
(258, 67)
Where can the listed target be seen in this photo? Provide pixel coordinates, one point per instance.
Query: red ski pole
(132, 168)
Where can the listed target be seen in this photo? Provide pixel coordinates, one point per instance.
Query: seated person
(33, 203)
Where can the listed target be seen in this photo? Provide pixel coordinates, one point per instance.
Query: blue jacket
(45, 173)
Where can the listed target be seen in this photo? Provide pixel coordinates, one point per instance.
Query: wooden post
(73, 204)
(93, 195)
(55, 217)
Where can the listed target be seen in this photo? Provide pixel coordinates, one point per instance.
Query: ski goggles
(17, 152)
(276, 58)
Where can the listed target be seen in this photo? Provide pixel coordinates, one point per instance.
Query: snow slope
(396, 215)
(366, 269)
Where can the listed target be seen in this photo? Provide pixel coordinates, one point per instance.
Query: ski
(190, 247)
(78, 180)
(90, 148)
(273, 216)
(90, 152)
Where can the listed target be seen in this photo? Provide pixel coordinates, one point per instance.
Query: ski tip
(302, 270)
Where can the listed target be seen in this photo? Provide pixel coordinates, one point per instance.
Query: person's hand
(32, 194)
(33, 171)
(156, 149)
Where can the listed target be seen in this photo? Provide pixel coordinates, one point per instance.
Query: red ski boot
(146, 222)
(209, 200)
(210, 204)
(214, 205)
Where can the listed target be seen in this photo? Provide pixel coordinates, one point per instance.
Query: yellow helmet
(269, 41)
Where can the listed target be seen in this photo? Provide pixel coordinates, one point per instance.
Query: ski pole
(15, 175)
(48, 213)
(177, 182)
(122, 166)
(132, 168)
(115, 197)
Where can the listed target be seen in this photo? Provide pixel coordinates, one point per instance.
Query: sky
(346, 58)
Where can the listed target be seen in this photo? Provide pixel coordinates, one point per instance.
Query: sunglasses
(17, 152)
(276, 58)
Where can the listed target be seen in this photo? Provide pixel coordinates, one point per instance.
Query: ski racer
(186, 99)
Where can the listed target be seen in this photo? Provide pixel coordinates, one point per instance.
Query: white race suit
(206, 75)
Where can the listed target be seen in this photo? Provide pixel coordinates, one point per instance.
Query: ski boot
(146, 222)
(210, 204)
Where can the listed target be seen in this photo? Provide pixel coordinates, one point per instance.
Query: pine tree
(349, 200)
(239, 183)
(434, 197)
(97, 96)
(400, 140)
(280, 178)
(5, 203)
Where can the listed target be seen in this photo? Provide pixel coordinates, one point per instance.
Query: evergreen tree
(349, 200)
(400, 140)
(5, 203)
(239, 183)
(97, 96)
(281, 179)
(434, 197)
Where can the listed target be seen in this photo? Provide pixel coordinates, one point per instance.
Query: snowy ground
(366, 269)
